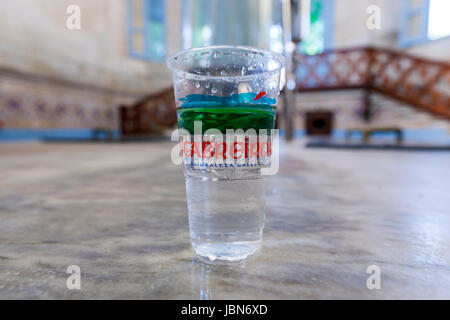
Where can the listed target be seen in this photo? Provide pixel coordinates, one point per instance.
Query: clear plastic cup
(225, 88)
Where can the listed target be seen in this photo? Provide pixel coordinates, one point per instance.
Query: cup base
(226, 251)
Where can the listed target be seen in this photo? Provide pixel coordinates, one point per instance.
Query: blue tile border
(431, 135)
(12, 135)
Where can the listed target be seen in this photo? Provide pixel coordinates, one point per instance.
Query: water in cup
(226, 213)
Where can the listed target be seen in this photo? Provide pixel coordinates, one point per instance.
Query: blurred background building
(110, 75)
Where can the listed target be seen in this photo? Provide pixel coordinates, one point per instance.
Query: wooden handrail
(423, 83)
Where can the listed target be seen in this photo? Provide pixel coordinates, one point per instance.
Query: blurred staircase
(151, 115)
(422, 83)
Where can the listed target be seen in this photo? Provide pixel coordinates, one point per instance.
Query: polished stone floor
(118, 211)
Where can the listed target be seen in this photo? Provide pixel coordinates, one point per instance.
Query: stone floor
(118, 211)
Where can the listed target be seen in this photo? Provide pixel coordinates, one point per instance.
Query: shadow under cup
(218, 89)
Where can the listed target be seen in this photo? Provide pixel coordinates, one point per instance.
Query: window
(197, 22)
(438, 21)
(146, 29)
(254, 23)
(276, 27)
(319, 37)
(231, 22)
(423, 20)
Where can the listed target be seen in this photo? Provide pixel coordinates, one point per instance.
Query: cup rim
(171, 60)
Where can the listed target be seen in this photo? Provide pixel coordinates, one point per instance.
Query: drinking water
(226, 212)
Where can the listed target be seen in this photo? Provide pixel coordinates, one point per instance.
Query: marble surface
(118, 211)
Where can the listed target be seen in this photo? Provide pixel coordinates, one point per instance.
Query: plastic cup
(226, 99)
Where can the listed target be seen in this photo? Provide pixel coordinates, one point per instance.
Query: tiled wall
(32, 105)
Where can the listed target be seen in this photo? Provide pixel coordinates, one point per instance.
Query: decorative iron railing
(420, 82)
